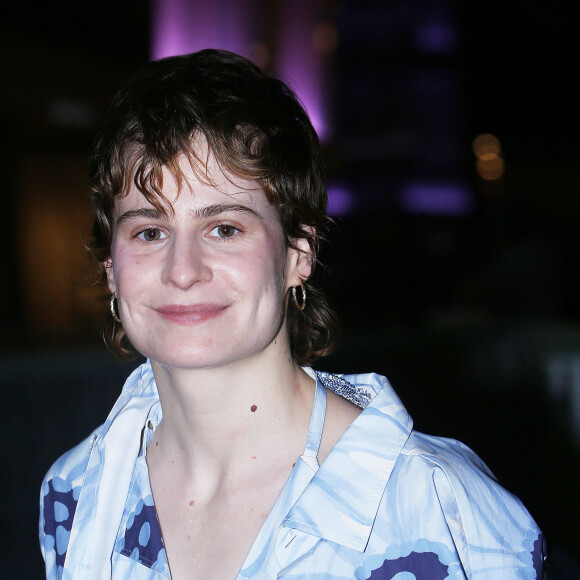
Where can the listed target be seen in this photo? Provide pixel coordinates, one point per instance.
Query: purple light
(340, 200)
(439, 199)
(300, 65)
(183, 26)
(436, 37)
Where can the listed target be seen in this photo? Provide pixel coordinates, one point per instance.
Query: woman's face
(205, 285)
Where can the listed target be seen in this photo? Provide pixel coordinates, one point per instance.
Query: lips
(190, 313)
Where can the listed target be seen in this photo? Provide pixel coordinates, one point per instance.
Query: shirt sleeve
(494, 535)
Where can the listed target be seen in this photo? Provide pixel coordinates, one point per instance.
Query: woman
(226, 455)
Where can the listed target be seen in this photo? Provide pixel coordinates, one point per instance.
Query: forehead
(197, 181)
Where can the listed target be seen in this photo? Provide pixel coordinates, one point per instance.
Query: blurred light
(440, 199)
(183, 26)
(491, 168)
(340, 200)
(325, 38)
(486, 143)
(300, 65)
(489, 164)
(436, 38)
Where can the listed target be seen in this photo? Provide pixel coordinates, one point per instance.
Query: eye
(151, 235)
(224, 231)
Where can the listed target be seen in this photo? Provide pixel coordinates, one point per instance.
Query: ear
(108, 265)
(300, 262)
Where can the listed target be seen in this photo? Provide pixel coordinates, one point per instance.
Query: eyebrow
(200, 213)
(219, 208)
(145, 212)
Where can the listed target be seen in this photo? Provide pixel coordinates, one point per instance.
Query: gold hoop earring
(300, 304)
(114, 308)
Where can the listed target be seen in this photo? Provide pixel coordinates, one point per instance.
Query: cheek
(259, 272)
(270, 264)
(129, 271)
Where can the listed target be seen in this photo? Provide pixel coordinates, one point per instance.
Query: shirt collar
(341, 502)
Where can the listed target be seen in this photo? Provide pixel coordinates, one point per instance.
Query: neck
(215, 419)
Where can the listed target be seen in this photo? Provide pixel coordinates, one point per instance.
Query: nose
(186, 263)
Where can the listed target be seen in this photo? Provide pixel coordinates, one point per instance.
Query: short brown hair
(255, 127)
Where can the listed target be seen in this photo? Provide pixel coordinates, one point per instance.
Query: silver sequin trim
(356, 395)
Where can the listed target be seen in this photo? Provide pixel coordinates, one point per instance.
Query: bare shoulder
(340, 414)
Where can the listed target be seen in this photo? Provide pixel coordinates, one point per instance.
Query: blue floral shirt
(387, 503)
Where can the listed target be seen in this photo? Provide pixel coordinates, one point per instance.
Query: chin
(201, 358)
(216, 349)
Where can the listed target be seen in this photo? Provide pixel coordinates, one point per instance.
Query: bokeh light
(489, 161)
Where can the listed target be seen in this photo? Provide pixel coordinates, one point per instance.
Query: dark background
(473, 315)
